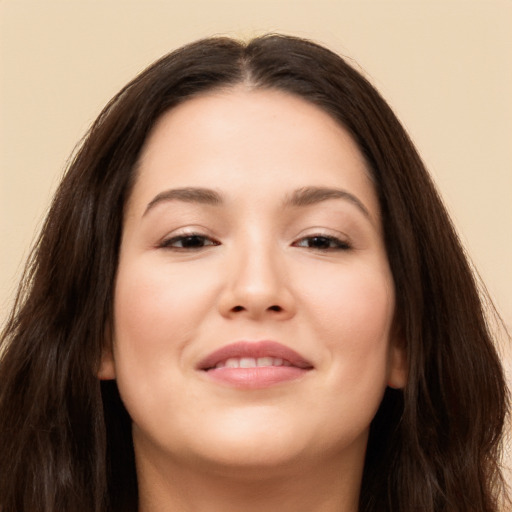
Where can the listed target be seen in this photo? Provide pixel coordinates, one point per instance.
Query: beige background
(445, 67)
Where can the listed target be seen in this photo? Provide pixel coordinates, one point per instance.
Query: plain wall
(444, 66)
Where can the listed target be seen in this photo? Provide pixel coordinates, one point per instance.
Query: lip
(255, 377)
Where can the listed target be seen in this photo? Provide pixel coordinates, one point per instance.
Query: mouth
(254, 365)
(251, 362)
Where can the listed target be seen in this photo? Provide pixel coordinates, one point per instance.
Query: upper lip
(254, 349)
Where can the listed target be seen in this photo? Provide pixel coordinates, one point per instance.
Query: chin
(246, 442)
(250, 459)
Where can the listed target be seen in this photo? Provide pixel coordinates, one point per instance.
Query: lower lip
(256, 378)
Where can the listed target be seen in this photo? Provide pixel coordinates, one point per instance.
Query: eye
(322, 243)
(188, 242)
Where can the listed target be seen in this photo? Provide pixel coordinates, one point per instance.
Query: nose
(257, 286)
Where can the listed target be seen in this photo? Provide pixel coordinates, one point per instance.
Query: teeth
(232, 363)
(251, 362)
(247, 362)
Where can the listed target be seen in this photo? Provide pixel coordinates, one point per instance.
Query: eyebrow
(188, 195)
(308, 196)
(303, 197)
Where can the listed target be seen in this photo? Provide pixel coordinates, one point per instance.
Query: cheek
(157, 310)
(355, 304)
(353, 313)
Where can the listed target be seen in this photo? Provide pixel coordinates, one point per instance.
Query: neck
(301, 487)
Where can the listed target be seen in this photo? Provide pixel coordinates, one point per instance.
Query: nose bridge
(256, 282)
(256, 266)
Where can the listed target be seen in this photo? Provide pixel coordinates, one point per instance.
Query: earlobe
(107, 369)
(398, 368)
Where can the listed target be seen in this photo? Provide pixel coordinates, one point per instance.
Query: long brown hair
(65, 438)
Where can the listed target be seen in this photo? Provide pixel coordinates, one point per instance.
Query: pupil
(319, 242)
(193, 241)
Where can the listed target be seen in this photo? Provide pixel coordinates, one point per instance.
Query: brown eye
(188, 242)
(322, 243)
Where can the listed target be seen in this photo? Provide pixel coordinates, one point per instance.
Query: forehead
(251, 140)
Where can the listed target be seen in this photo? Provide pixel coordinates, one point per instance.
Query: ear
(107, 369)
(398, 368)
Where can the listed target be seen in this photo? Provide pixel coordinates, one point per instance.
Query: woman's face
(253, 300)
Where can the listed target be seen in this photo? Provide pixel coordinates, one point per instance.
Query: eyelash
(195, 237)
(200, 241)
(334, 243)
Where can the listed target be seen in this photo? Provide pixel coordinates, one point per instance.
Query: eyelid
(322, 231)
(342, 240)
(183, 233)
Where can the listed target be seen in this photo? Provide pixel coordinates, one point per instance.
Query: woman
(248, 295)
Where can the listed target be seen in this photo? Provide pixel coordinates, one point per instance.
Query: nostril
(238, 309)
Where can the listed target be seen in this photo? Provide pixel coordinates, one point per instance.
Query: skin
(261, 269)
